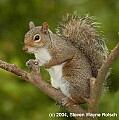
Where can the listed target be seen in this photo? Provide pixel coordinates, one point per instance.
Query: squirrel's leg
(50, 63)
(64, 87)
(59, 59)
(74, 97)
(53, 62)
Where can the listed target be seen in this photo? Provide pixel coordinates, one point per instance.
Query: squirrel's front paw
(31, 62)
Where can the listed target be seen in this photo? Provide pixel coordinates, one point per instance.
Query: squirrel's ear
(44, 28)
(31, 25)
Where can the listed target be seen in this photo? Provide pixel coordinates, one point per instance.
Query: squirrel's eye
(37, 38)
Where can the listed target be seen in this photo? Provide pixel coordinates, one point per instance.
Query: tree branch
(14, 69)
(98, 82)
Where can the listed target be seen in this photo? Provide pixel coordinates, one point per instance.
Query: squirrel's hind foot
(67, 102)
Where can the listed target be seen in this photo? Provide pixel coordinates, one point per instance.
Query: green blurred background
(20, 100)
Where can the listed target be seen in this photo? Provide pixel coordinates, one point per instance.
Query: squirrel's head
(36, 37)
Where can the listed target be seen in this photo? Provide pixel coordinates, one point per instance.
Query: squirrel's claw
(66, 102)
(63, 103)
(59, 104)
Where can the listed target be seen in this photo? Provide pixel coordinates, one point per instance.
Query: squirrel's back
(83, 33)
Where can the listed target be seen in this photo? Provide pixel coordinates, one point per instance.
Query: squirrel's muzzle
(25, 48)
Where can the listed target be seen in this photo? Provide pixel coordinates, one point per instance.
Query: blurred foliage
(20, 100)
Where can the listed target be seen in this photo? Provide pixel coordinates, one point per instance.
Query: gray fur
(84, 33)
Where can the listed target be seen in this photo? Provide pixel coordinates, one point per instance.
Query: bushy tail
(84, 34)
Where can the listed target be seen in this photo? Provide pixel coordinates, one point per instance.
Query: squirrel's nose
(25, 48)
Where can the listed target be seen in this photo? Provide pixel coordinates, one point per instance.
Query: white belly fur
(57, 80)
(56, 74)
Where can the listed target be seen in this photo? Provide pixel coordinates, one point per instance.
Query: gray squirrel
(72, 56)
